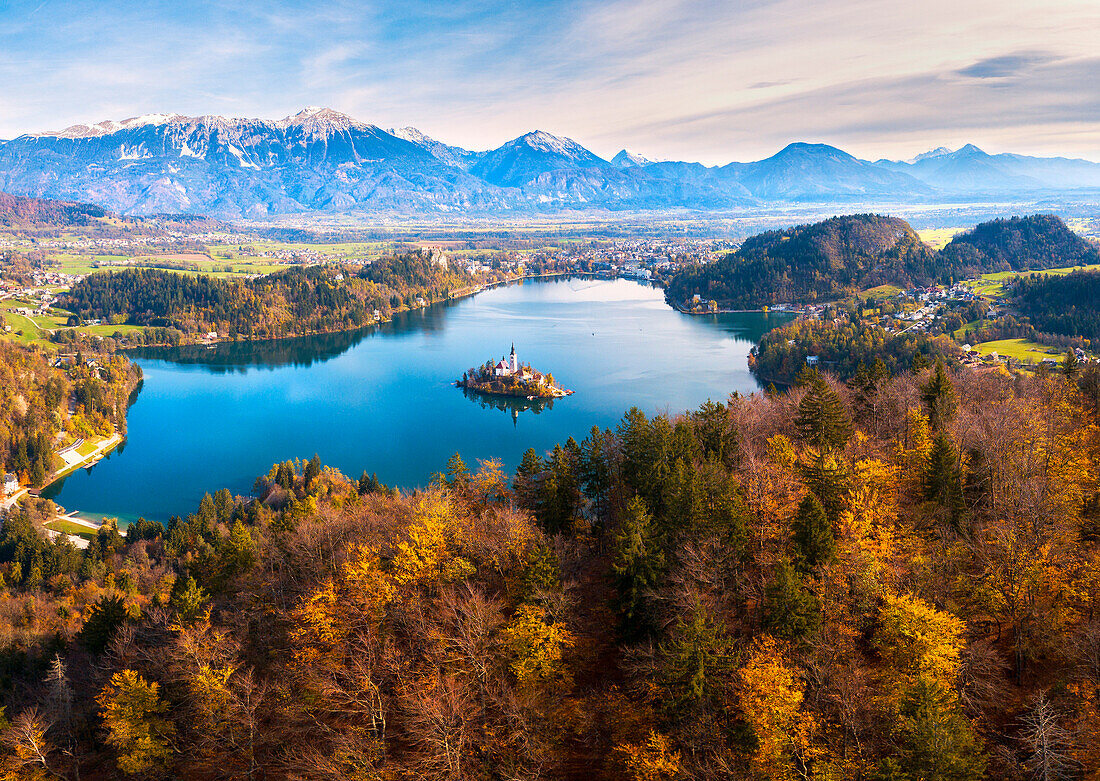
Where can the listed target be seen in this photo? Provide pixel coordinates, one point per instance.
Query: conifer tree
(637, 566)
(1070, 365)
(934, 740)
(457, 471)
(822, 420)
(942, 481)
(812, 534)
(939, 397)
(791, 610)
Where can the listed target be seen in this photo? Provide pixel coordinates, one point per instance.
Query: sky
(669, 79)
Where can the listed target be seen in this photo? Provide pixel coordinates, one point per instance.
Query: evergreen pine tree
(791, 610)
(1070, 365)
(457, 472)
(942, 480)
(822, 420)
(812, 534)
(637, 566)
(938, 395)
(934, 740)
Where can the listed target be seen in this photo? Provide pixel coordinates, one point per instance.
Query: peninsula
(508, 377)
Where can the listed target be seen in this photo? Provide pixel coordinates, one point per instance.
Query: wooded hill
(896, 581)
(17, 211)
(1068, 305)
(843, 349)
(43, 216)
(297, 301)
(840, 256)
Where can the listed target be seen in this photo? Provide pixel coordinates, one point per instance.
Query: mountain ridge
(319, 159)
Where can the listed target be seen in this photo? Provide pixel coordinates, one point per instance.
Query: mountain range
(322, 160)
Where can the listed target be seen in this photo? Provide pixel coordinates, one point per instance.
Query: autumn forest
(884, 579)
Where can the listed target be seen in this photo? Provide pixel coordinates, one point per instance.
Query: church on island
(509, 377)
(507, 366)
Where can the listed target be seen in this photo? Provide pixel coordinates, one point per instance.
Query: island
(509, 377)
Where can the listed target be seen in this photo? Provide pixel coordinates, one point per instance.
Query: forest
(843, 349)
(841, 256)
(298, 301)
(39, 402)
(1068, 305)
(896, 578)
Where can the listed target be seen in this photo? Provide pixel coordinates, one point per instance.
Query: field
(938, 238)
(1018, 349)
(882, 292)
(993, 284)
(71, 263)
(35, 329)
(68, 527)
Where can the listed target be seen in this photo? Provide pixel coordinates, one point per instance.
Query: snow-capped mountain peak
(938, 152)
(548, 142)
(412, 135)
(318, 118)
(627, 159)
(109, 126)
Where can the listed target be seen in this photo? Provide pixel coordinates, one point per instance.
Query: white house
(11, 483)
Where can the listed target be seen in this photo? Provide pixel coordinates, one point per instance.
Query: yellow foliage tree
(653, 760)
(771, 699)
(536, 644)
(917, 640)
(131, 709)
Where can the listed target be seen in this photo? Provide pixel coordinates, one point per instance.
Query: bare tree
(1048, 744)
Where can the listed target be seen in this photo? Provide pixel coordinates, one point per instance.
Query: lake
(382, 399)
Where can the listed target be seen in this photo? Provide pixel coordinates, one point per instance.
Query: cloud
(1006, 65)
(703, 80)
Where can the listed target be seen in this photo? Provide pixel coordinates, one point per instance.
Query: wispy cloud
(679, 79)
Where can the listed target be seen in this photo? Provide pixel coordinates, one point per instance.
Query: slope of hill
(1035, 242)
(823, 261)
(1067, 305)
(18, 212)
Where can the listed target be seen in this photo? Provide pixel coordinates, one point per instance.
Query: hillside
(20, 212)
(806, 263)
(1035, 242)
(834, 258)
(1067, 305)
(42, 406)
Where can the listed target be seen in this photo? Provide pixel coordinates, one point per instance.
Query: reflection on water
(300, 351)
(513, 405)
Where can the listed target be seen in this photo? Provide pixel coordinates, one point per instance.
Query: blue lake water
(383, 400)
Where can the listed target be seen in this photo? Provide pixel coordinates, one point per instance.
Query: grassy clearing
(881, 292)
(938, 238)
(68, 527)
(110, 330)
(1018, 349)
(72, 263)
(88, 447)
(993, 284)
